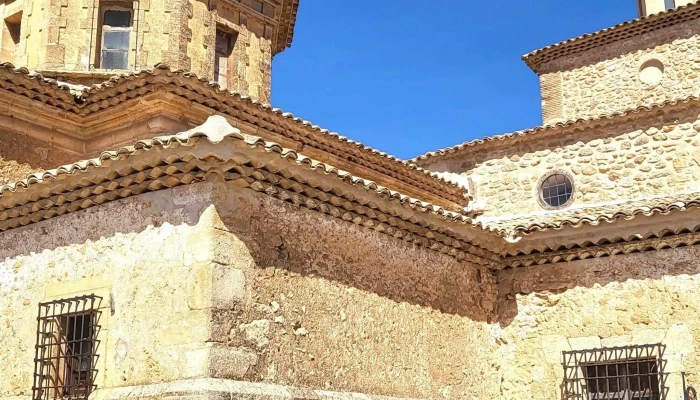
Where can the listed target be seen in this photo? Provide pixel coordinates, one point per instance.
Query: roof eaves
(50, 193)
(485, 141)
(624, 30)
(120, 88)
(596, 215)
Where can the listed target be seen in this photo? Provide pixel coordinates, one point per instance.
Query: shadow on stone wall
(640, 272)
(307, 243)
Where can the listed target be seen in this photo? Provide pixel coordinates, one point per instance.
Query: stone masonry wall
(21, 155)
(606, 79)
(645, 298)
(158, 35)
(334, 306)
(31, 32)
(144, 256)
(653, 156)
(64, 36)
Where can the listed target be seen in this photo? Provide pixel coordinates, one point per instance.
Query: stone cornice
(217, 151)
(85, 119)
(683, 238)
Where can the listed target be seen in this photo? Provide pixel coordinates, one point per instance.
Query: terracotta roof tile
(85, 101)
(170, 161)
(595, 215)
(622, 31)
(465, 147)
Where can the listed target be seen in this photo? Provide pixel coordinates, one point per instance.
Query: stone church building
(170, 235)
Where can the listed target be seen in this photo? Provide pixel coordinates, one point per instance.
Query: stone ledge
(223, 389)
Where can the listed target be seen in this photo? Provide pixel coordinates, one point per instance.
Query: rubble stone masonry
(643, 157)
(622, 75)
(637, 299)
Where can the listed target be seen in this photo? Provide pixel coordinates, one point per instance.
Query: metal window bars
(557, 189)
(66, 346)
(625, 373)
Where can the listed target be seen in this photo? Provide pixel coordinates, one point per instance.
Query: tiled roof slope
(596, 214)
(622, 31)
(465, 147)
(252, 162)
(87, 101)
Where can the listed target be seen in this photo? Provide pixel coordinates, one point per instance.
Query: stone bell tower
(648, 7)
(231, 42)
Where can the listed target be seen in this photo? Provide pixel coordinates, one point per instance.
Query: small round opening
(556, 190)
(651, 72)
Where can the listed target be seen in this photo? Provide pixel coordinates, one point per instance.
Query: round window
(556, 190)
(651, 72)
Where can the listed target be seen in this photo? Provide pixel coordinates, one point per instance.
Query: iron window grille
(624, 373)
(64, 365)
(556, 190)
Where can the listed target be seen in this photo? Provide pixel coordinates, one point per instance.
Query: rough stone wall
(250, 63)
(31, 35)
(21, 155)
(143, 255)
(64, 35)
(636, 299)
(653, 156)
(606, 79)
(334, 306)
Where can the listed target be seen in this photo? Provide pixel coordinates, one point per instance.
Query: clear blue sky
(409, 76)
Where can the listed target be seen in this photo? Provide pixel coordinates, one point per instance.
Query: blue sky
(410, 76)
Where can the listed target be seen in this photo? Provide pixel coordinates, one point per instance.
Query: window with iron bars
(64, 366)
(625, 373)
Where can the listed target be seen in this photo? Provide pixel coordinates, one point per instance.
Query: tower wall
(650, 68)
(643, 157)
(648, 7)
(63, 39)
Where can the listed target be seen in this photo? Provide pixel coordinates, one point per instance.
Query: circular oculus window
(651, 72)
(556, 190)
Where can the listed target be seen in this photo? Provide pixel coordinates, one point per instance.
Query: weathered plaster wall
(331, 305)
(653, 156)
(642, 298)
(21, 155)
(146, 254)
(606, 79)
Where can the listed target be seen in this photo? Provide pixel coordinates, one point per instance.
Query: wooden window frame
(114, 6)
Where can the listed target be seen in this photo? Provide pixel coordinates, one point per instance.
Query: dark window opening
(115, 37)
(625, 373)
(10, 37)
(556, 190)
(224, 46)
(66, 349)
